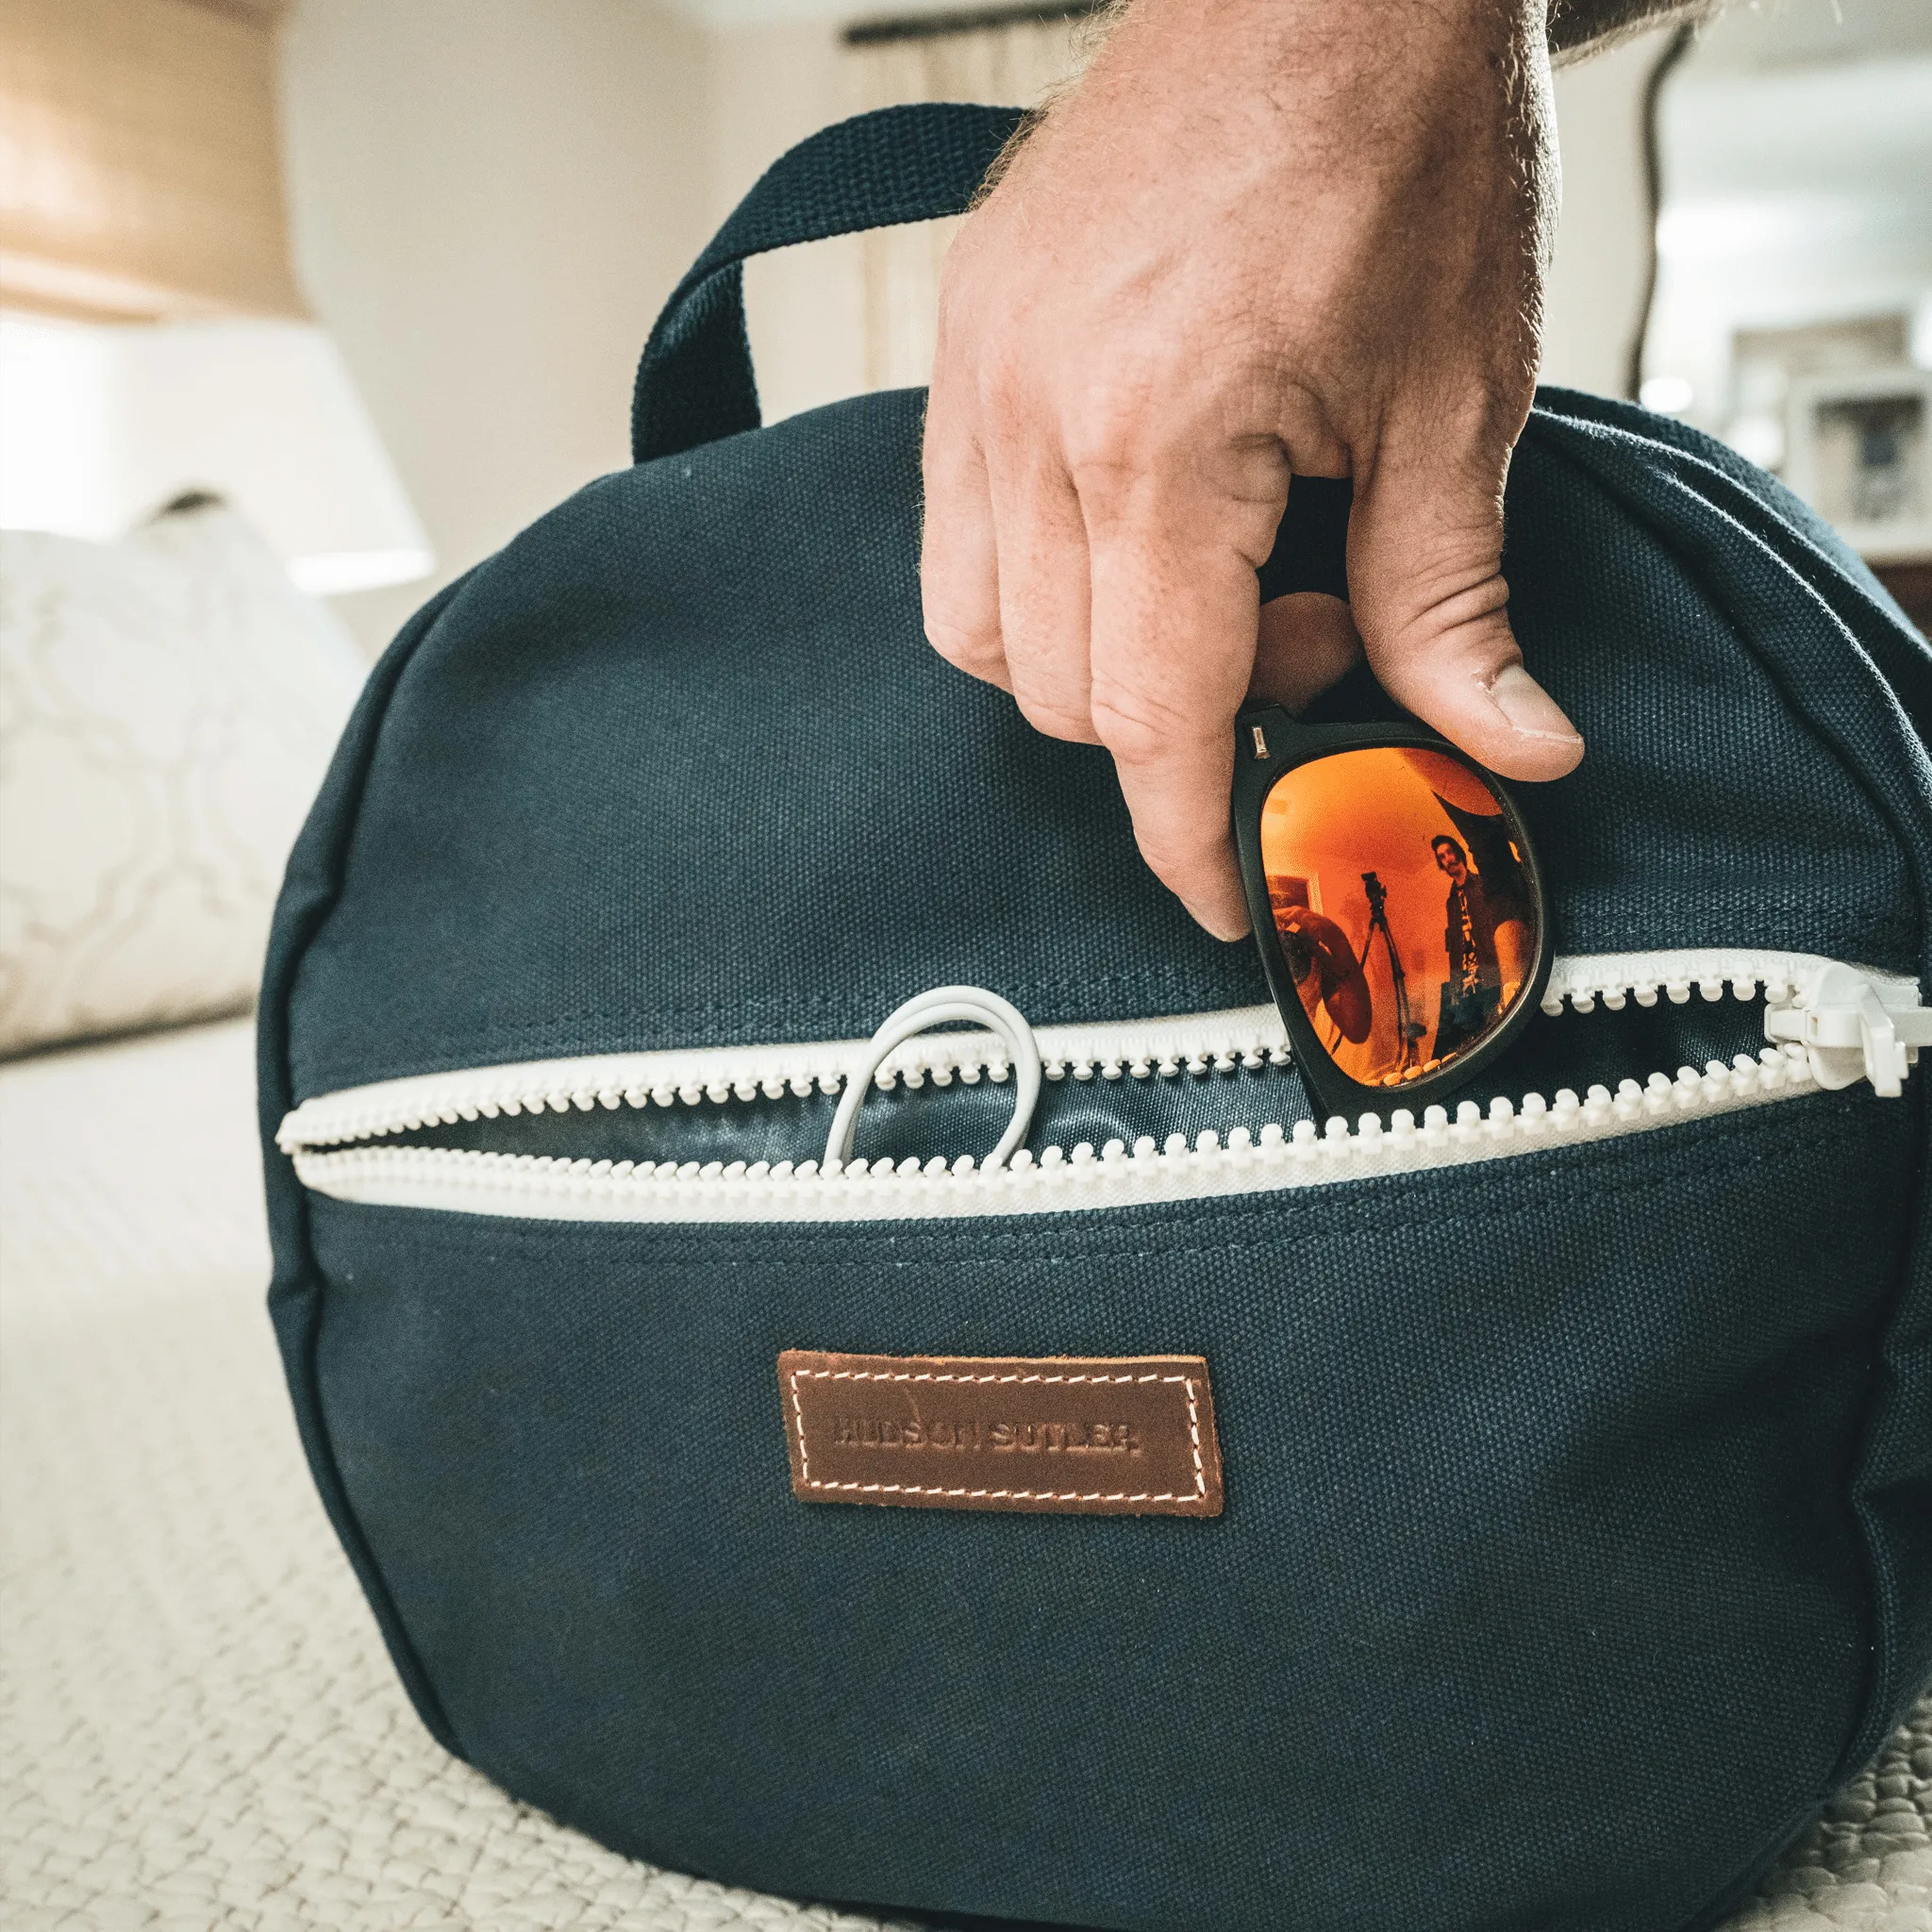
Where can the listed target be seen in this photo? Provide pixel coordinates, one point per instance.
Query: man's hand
(1260, 238)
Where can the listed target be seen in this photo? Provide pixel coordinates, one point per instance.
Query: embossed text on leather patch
(1079, 1435)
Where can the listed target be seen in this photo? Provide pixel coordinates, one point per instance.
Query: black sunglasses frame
(1268, 744)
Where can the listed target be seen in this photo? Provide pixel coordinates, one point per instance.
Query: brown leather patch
(1076, 1435)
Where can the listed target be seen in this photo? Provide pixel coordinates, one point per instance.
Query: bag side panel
(1833, 687)
(309, 886)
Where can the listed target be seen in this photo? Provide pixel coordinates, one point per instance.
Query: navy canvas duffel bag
(1528, 1505)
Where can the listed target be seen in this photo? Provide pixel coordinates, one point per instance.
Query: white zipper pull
(945, 1006)
(1854, 1026)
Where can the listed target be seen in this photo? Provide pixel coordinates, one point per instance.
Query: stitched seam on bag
(1829, 736)
(1562, 445)
(1198, 1493)
(1765, 517)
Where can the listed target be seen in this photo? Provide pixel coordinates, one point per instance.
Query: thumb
(1425, 581)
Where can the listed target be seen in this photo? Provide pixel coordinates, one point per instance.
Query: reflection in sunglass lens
(1403, 907)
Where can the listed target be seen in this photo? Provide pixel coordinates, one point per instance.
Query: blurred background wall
(487, 199)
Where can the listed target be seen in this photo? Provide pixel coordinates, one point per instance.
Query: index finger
(1174, 630)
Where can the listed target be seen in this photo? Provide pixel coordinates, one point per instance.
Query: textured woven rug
(198, 1724)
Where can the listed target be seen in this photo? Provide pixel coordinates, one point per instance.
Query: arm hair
(1587, 27)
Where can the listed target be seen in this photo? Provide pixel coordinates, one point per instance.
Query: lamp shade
(106, 422)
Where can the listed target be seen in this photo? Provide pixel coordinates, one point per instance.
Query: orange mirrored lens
(1403, 907)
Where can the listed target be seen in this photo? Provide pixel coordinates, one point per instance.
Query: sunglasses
(1395, 899)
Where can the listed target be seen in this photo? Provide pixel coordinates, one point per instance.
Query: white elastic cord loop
(944, 1005)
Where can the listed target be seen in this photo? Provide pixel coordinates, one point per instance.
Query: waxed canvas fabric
(1579, 1536)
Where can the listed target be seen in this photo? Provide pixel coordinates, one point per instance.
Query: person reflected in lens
(1486, 934)
(1326, 973)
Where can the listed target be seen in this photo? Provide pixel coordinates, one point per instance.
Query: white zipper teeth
(542, 1187)
(1246, 1037)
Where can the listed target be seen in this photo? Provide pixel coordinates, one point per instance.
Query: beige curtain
(139, 175)
(1014, 65)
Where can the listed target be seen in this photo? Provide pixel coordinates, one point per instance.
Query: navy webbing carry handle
(900, 165)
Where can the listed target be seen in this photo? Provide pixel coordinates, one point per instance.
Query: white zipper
(1112, 1050)
(1830, 1023)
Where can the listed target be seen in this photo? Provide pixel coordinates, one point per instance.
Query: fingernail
(1217, 923)
(1528, 708)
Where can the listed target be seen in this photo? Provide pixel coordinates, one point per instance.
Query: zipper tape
(1163, 1048)
(542, 1187)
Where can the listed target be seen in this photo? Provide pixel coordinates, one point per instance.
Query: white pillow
(167, 706)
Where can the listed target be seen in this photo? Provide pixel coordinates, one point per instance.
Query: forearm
(1576, 28)
(1580, 26)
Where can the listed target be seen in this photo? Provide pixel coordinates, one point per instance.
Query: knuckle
(1174, 854)
(975, 649)
(1131, 737)
(1458, 560)
(1138, 726)
(1054, 717)
(1449, 595)
(1114, 434)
